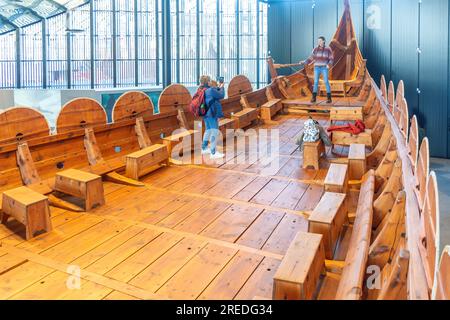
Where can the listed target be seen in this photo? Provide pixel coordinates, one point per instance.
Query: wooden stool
(29, 208)
(337, 178)
(328, 219)
(312, 151)
(146, 160)
(81, 184)
(357, 161)
(299, 272)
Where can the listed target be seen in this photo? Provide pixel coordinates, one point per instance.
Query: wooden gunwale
(417, 283)
(9, 146)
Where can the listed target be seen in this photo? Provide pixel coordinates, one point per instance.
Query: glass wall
(57, 66)
(8, 61)
(118, 43)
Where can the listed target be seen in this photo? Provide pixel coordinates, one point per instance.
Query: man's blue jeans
(211, 133)
(321, 70)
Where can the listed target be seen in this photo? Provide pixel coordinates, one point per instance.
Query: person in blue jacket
(213, 95)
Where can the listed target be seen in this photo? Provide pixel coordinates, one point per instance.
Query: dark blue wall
(409, 42)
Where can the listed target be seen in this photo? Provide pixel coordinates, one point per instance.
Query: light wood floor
(212, 231)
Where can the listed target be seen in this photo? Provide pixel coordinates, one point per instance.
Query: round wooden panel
(239, 85)
(22, 123)
(79, 113)
(132, 105)
(174, 97)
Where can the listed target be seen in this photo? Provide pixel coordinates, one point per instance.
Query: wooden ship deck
(130, 219)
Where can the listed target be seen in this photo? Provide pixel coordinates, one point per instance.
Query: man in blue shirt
(213, 95)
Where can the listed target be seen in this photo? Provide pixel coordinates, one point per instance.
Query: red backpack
(198, 104)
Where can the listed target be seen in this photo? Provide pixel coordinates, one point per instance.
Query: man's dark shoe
(329, 100)
(314, 98)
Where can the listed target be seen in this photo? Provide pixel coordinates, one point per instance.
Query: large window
(229, 39)
(8, 61)
(104, 43)
(31, 52)
(57, 65)
(80, 48)
(118, 43)
(149, 40)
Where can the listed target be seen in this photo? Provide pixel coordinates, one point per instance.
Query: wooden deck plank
(164, 268)
(284, 233)
(198, 273)
(270, 192)
(137, 262)
(202, 218)
(55, 288)
(261, 229)
(232, 223)
(231, 279)
(260, 282)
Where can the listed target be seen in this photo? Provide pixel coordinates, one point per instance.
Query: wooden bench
(337, 178)
(146, 160)
(357, 161)
(298, 275)
(81, 184)
(312, 151)
(346, 114)
(270, 109)
(328, 219)
(173, 140)
(245, 117)
(29, 208)
(341, 138)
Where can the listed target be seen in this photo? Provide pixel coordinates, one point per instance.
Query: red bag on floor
(356, 128)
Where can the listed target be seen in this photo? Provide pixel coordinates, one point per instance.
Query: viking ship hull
(135, 209)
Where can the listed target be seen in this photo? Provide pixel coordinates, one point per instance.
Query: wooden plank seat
(328, 219)
(245, 117)
(270, 109)
(357, 165)
(312, 152)
(337, 178)
(298, 275)
(142, 162)
(346, 114)
(81, 184)
(29, 208)
(341, 138)
(105, 167)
